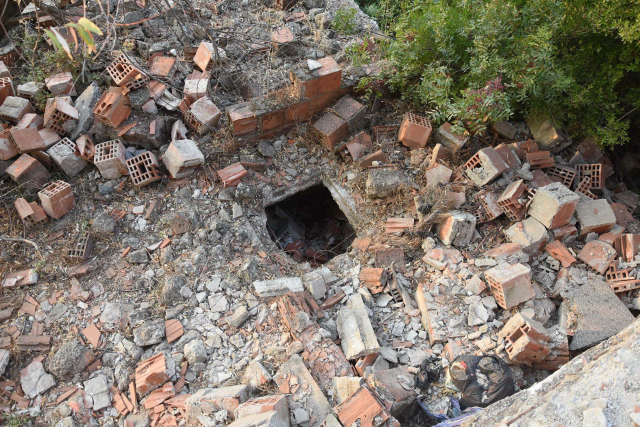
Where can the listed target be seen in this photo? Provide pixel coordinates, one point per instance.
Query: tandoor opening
(310, 226)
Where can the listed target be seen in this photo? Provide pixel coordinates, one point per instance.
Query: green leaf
(62, 42)
(88, 39)
(90, 26)
(54, 39)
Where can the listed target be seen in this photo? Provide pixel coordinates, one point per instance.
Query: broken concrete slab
(277, 287)
(355, 330)
(385, 182)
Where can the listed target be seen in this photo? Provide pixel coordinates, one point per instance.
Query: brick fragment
(6, 88)
(8, 149)
(31, 121)
(206, 401)
(627, 246)
(530, 233)
(457, 229)
(509, 156)
(598, 255)
(173, 330)
(202, 116)
(29, 172)
(563, 174)
(510, 284)
(144, 169)
(485, 166)
(414, 130)
(540, 159)
(57, 199)
(196, 89)
(352, 112)
(557, 250)
(20, 278)
(526, 340)
(14, 108)
(151, 374)
(364, 404)
(260, 405)
(208, 55)
(182, 158)
(61, 84)
(593, 171)
(110, 159)
(30, 91)
(125, 74)
(553, 205)
(330, 130)
(66, 156)
(595, 216)
(26, 140)
(437, 174)
(329, 75)
(162, 66)
(81, 249)
(60, 116)
(31, 214)
(113, 107)
(511, 201)
(232, 175)
(452, 141)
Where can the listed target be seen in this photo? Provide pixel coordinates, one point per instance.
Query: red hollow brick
(57, 199)
(414, 130)
(330, 130)
(26, 140)
(31, 214)
(112, 108)
(29, 172)
(144, 169)
(243, 120)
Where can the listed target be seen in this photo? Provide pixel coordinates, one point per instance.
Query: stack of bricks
(57, 199)
(31, 214)
(526, 340)
(125, 75)
(312, 92)
(113, 107)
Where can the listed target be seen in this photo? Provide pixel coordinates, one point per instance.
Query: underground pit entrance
(310, 226)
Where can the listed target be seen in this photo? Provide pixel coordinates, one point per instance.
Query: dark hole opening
(310, 226)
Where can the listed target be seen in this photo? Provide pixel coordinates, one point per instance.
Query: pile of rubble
(285, 252)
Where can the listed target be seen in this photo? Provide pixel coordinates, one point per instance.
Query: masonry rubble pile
(175, 307)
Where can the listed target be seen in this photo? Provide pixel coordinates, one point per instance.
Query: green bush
(344, 22)
(477, 61)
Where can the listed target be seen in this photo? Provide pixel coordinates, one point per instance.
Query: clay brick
(509, 156)
(285, 4)
(125, 75)
(584, 188)
(162, 66)
(86, 147)
(29, 172)
(30, 91)
(49, 137)
(563, 174)
(173, 330)
(329, 75)
(144, 169)
(26, 140)
(272, 120)
(57, 199)
(563, 232)
(242, 119)
(452, 141)
(20, 278)
(321, 102)
(6, 88)
(489, 205)
(14, 108)
(598, 255)
(377, 157)
(352, 112)
(304, 81)
(110, 159)
(66, 156)
(385, 257)
(510, 200)
(202, 116)
(457, 228)
(592, 171)
(627, 246)
(182, 158)
(485, 166)
(112, 108)
(330, 130)
(151, 374)
(595, 216)
(60, 116)
(363, 408)
(281, 38)
(510, 284)
(31, 214)
(540, 159)
(298, 113)
(557, 250)
(31, 121)
(526, 341)
(398, 225)
(260, 405)
(196, 89)
(61, 84)
(414, 130)
(232, 175)
(81, 250)
(553, 205)
(205, 57)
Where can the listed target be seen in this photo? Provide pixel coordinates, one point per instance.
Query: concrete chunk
(553, 205)
(355, 330)
(457, 229)
(530, 233)
(277, 287)
(209, 400)
(595, 216)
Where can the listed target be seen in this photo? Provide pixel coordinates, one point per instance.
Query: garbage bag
(430, 371)
(419, 415)
(482, 380)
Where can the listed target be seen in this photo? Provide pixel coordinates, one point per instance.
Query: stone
(103, 226)
(138, 257)
(238, 317)
(355, 330)
(553, 205)
(5, 355)
(70, 359)
(195, 352)
(530, 234)
(478, 315)
(452, 141)
(256, 375)
(594, 417)
(98, 389)
(457, 229)
(85, 104)
(149, 333)
(385, 182)
(277, 287)
(170, 292)
(34, 380)
(207, 401)
(595, 216)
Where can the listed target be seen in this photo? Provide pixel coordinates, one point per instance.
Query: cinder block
(29, 172)
(14, 108)
(595, 216)
(112, 108)
(110, 159)
(202, 116)
(61, 84)
(31, 214)
(57, 199)
(352, 112)
(144, 169)
(330, 130)
(26, 140)
(60, 116)
(66, 156)
(510, 284)
(452, 141)
(457, 229)
(485, 166)
(414, 130)
(530, 233)
(553, 205)
(182, 158)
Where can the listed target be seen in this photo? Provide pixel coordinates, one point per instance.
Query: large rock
(70, 359)
(151, 332)
(35, 380)
(103, 226)
(385, 182)
(171, 290)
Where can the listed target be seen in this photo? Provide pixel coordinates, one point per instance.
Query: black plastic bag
(482, 380)
(430, 372)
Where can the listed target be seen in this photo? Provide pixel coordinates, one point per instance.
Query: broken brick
(60, 116)
(485, 166)
(557, 250)
(553, 205)
(14, 108)
(232, 175)
(81, 249)
(110, 159)
(144, 169)
(112, 108)
(61, 84)
(330, 130)
(202, 116)
(57, 199)
(29, 172)
(151, 374)
(31, 214)
(526, 341)
(182, 158)
(173, 330)
(598, 255)
(414, 130)
(510, 284)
